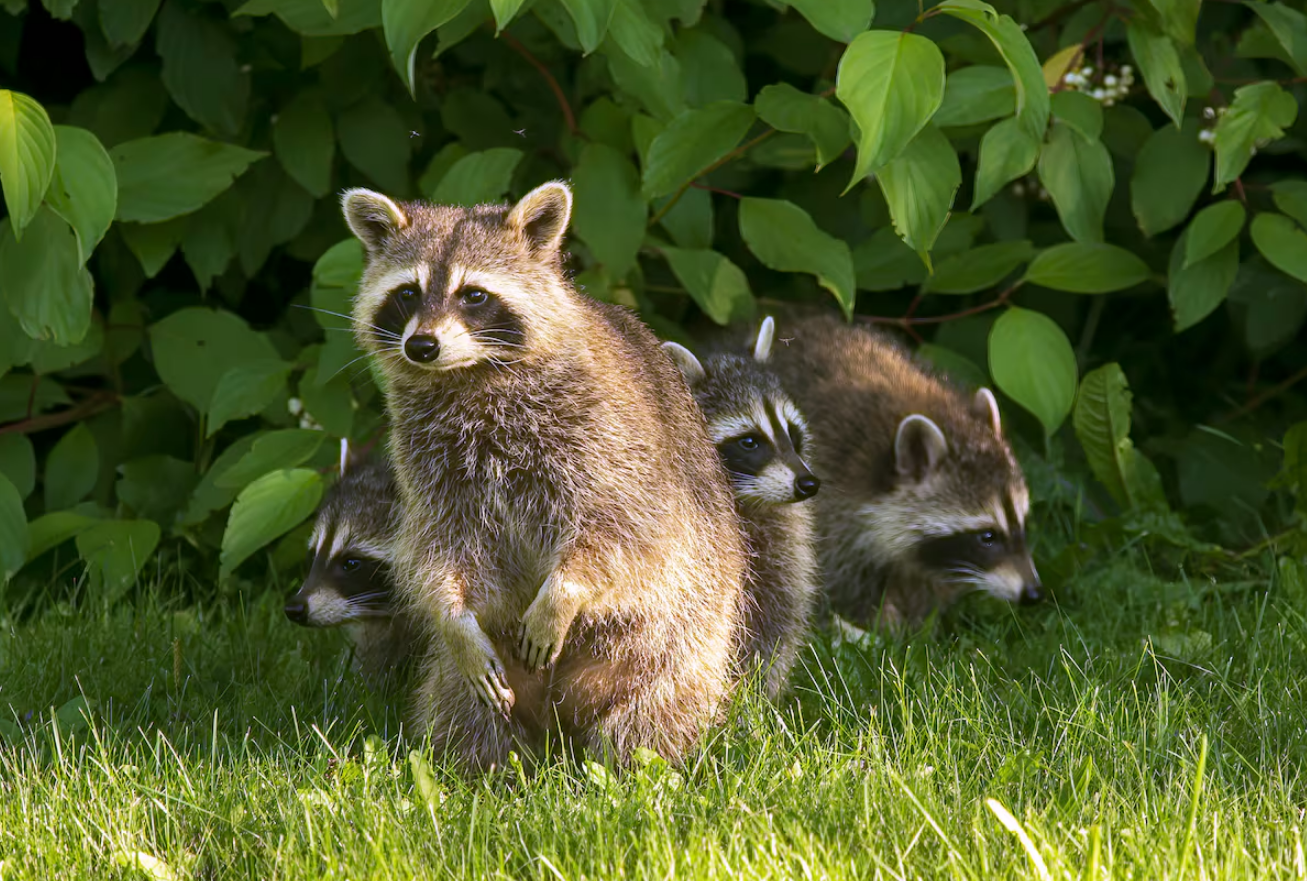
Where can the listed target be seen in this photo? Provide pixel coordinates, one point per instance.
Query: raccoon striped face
(347, 581)
(762, 449)
(989, 553)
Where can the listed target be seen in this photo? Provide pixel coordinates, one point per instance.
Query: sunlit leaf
(27, 156)
(1033, 363)
(266, 509)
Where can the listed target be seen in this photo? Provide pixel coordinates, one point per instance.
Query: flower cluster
(296, 408)
(1212, 118)
(1110, 88)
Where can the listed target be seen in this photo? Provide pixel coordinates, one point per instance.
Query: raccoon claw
(492, 689)
(535, 655)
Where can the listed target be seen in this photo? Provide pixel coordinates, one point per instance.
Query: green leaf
(312, 18)
(246, 390)
(709, 69)
(272, 451)
(340, 266)
(406, 22)
(1160, 64)
(1259, 115)
(885, 263)
(658, 88)
(115, 551)
(978, 269)
(208, 496)
(1080, 112)
(591, 18)
(193, 348)
(71, 469)
(692, 141)
(155, 487)
(15, 540)
(305, 142)
(786, 109)
(269, 507)
(976, 94)
(504, 11)
(1032, 362)
(1282, 243)
(1006, 153)
(1271, 306)
(18, 462)
(153, 243)
(47, 357)
(892, 83)
(1102, 422)
(44, 282)
(84, 190)
(690, 222)
(375, 140)
(784, 237)
(125, 22)
(478, 177)
(1077, 173)
(1289, 26)
(1212, 229)
(1196, 290)
(1010, 41)
(166, 176)
(200, 68)
(637, 34)
(717, 285)
(1179, 18)
(329, 401)
(841, 20)
(439, 167)
(276, 210)
(51, 530)
(1086, 268)
(609, 213)
(1291, 197)
(919, 186)
(27, 156)
(1169, 175)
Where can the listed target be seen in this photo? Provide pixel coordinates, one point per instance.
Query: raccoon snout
(422, 349)
(297, 610)
(806, 486)
(1031, 593)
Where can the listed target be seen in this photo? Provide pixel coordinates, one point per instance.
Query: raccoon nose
(422, 348)
(806, 486)
(1032, 593)
(297, 610)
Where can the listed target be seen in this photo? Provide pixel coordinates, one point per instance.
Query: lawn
(1144, 725)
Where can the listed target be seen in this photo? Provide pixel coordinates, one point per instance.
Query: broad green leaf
(193, 348)
(84, 190)
(786, 109)
(312, 19)
(1006, 153)
(841, 20)
(15, 540)
(1032, 362)
(1195, 290)
(18, 401)
(329, 401)
(125, 22)
(200, 68)
(1260, 114)
(1010, 41)
(1179, 18)
(166, 176)
(71, 469)
(276, 210)
(1086, 268)
(717, 285)
(885, 263)
(609, 212)
(692, 142)
(1077, 173)
(892, 83)
(638, 35)
(246, 390)
(1169, 175)
(1221, 472)
(375, 140)
(209, 239)
(591, 18)
(975, 94)
(48, 357)
(478, 177)
(130, 105)
(27, 156)
(1212, 229)
(406, 22)
(978, 269)
(919, 186)
(305, 142)
(340, 266)
(51, 530)
(1289, 26)
(266, 509)
(272, 451)
(504, 11)
(44, 282)
(208, 496)
(18, 462)
(115, 552)
(439, 167)
(784, 237)
(1291, 197)
(1272, 306)
(1160, 64)
(153, 243)
(1080, 112)
(690, 222)
(709, 69)
(1060, 63)
(1102, 422)
(658, 88)
(1282, 243)
(155, 487)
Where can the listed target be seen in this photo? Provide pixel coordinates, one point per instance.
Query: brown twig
(96, 403)
(516, 45)
(731, 193)
(1265, 396)
(734, 154)
(908, 320)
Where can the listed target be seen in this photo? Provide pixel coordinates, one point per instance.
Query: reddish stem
(98, 402)
(516, 45)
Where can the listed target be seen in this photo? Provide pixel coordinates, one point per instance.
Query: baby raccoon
(349, 581)
(923, 498)
(761, 437)
(561, 500)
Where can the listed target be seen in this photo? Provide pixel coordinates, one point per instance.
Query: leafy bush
(1075, 200)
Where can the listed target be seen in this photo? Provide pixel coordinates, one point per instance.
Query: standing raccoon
(351, 552)
(560, 494)
(762, 437)
(923, 498)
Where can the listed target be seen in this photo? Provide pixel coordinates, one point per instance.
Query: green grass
(1143, 727)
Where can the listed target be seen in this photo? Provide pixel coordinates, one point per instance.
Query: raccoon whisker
(349, 318)
(365, 598)
(486, 330)
(347, 365)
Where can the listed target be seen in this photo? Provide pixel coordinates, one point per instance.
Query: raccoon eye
(988, 538)
(350, 564)
(474, 297)
(409, 293)
(748, 443)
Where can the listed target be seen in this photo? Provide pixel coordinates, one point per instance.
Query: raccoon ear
(985, 406)
(762, 348)
(542, 216)
(372, 216)
(918, 447)
(344, 456)
(686, 361)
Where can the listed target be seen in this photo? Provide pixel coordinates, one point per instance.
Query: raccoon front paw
(478, 662)
(492, 689)
(542, 638)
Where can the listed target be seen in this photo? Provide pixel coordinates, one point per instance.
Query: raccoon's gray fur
(560, 494)
(923, 499)
(762, 439)
(349, 584)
